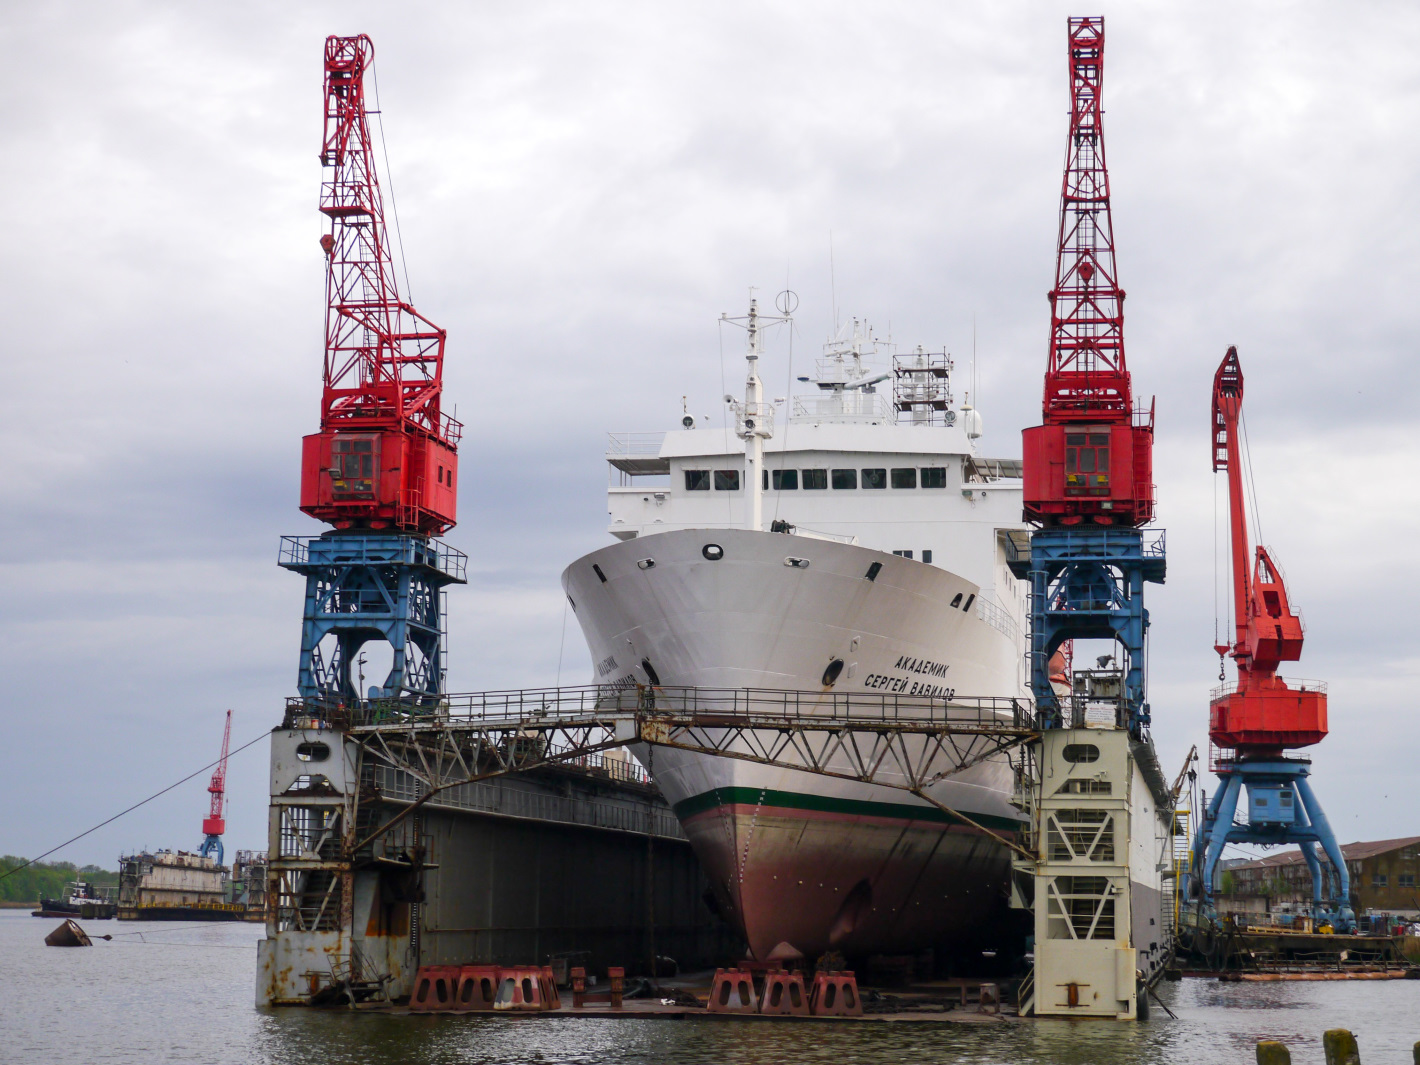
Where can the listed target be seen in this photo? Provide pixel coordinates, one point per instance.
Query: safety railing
(633, 445)
(996, 617)
(732, 705)
(1295, 684)
(299, 551)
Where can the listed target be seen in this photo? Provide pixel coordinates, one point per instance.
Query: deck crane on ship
(1255, 720)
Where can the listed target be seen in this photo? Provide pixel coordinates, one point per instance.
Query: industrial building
(1383, 878)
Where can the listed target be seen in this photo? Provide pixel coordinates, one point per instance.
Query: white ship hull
(804, 863)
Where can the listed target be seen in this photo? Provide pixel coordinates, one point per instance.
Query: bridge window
(875, 478)
(845, 478)
(904, 478)
(727, 480)
(785, 480)
(934, 477)
(697, 480)
(903, 554)
(815, 479)
(926, 554)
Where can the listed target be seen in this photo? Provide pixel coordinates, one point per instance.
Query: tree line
(46, 879)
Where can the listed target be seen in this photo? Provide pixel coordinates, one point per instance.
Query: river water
(183, 993)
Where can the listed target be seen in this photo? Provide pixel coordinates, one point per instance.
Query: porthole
(1080, 752)
(651, 673)
(714, 552)
(830, 675)
(645, 563)
(797, 563)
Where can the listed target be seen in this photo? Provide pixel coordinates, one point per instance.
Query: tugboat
(79, 900)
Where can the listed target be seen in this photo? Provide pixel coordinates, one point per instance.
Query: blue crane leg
(1220, 824)
(1342, 895)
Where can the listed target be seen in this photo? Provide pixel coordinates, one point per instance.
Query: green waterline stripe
(795, 800)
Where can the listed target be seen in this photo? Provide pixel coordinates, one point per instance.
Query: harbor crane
(214, 824)
(1088, 467)
(1256, 719)
(382, 470)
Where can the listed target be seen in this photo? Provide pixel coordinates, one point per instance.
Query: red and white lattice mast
(386, 454)
(1091, 461)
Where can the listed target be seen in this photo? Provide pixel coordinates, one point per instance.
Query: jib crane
(214, 824)
(383, 469)
(1088, 468)
(1255, 720)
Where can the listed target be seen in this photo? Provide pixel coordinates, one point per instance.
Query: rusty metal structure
(370, 806)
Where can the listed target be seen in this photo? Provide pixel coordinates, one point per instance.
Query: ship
(855, 542)
(79, 899)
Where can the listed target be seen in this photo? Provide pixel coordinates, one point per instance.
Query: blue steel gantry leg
(1087, 582)
(371, 586)
(1282, 809)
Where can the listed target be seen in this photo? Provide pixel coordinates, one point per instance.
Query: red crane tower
(214, 824)
(1092, 459)
(386, 454)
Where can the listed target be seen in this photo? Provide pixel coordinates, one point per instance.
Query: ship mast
(754, 418)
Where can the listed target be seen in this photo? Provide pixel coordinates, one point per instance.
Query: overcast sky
(583, 188)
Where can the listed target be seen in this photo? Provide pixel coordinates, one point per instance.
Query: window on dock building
(697, 480)
(727, 480)
(875, 478)
(934, 477)
(814, 479)
(904, 478)
(845, 478)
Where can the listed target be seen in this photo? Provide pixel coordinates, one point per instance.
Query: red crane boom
(1263, 712)
(1092, 459)
(215, 824)
(386, 454)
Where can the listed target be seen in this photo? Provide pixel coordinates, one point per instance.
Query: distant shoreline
(19, 905)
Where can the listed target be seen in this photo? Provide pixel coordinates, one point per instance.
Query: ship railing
(633, 445)
(996, 617)
(732, 705)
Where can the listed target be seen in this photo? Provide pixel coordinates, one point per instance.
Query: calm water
(183, 993)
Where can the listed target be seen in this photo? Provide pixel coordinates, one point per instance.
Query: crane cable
(31, 861)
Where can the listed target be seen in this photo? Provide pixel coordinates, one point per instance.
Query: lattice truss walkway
(353, 808)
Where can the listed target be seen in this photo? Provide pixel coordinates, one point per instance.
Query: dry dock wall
(508, 870)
